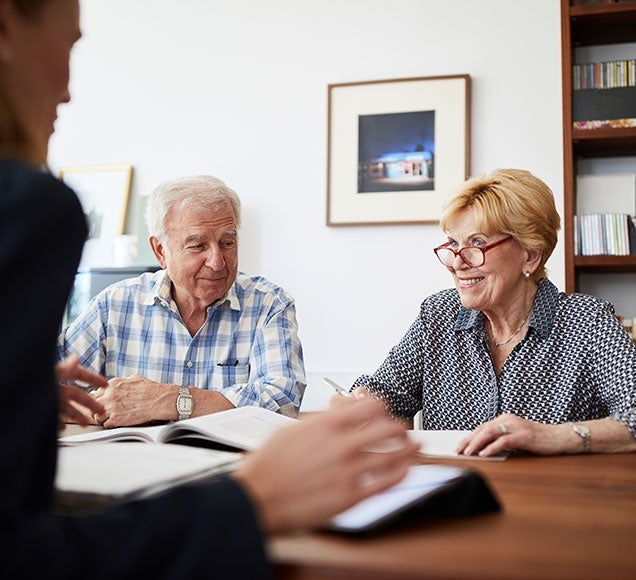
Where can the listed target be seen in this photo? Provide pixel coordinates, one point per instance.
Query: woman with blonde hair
(504, 354)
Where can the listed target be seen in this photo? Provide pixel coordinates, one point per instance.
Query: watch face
(582, 430)
(184, 404)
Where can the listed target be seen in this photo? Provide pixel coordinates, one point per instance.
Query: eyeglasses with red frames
(472, 256)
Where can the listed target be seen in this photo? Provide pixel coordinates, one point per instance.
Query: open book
(442, 444)
(244, 428)
(92, 476)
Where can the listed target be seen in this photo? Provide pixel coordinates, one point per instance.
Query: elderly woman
(504, 353)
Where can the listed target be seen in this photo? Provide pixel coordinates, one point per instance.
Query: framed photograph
(396, 149)
(103, 191)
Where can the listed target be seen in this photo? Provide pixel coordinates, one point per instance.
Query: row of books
(612, 74)
(604, 234)
(604, 124)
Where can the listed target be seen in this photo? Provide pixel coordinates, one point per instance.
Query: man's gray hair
(202, 192)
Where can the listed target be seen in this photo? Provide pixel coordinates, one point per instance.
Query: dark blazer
(198, 531)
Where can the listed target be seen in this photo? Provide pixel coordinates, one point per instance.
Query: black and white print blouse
(575, 363)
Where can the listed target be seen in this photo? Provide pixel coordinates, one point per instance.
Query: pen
(84, 386)
(335, 386)
(228, 364)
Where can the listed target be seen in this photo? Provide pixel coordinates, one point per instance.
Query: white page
(116, 470)
(148, 434)
(444, 443)
(243, 427)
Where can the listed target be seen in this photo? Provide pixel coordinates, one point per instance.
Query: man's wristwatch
(585, 434)
(185, 403)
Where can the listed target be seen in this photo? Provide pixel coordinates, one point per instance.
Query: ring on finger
(503, 428)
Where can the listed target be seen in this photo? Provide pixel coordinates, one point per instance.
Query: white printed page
(244, 427)
(141, 434)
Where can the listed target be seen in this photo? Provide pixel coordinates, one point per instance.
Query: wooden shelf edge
(605, 263)
(608, 133)
(604, 142)
(592, 10)
(617, 21)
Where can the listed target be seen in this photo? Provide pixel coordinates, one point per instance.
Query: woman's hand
(76, 405)
(509, 432)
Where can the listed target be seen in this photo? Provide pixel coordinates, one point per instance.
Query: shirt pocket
(235, 374)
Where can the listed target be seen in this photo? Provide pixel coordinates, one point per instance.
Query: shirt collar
(158, 291)
(161, 293)
(543, 311)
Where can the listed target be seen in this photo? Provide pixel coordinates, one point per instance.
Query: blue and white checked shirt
(575, 363)
(248, 348)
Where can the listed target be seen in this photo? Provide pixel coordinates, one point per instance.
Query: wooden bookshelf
(587, 26)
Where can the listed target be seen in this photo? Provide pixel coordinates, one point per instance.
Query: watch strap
(584, 433)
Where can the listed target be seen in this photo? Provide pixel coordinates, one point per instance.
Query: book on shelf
(92, 476)
(604, 235)
(243, 428)
(604, 75)
(593, 124)
(604, 205)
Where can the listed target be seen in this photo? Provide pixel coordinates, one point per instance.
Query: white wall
(238, 89)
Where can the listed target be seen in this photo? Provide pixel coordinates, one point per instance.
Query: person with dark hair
(300, 478)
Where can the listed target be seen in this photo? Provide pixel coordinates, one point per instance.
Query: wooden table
(563, 517)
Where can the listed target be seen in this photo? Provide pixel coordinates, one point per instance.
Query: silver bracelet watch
(584, 432)
(185, 403)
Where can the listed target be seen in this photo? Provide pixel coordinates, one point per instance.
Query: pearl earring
(527, 275)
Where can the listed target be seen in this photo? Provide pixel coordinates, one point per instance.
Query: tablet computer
(426, 491)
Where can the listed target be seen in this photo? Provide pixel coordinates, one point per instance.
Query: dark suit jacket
(197, 531)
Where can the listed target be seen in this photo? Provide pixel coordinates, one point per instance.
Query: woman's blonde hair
(512, 202)
(15, 140)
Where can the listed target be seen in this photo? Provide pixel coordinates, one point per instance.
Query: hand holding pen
(356, 393)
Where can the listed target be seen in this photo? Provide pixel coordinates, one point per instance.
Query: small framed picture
(103, 191)
(396, 149)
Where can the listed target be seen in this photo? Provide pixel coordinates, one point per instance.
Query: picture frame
(104, 192)
(396, 149)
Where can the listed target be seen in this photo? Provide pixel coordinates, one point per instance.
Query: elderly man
(195, 323)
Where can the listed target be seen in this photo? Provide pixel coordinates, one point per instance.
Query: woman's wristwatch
(584, 432)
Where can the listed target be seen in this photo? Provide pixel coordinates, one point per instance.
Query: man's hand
(76, 405)
(135, 400)
(311, 471)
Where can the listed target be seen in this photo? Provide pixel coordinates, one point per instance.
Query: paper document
(443, 444)
(101, 474)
